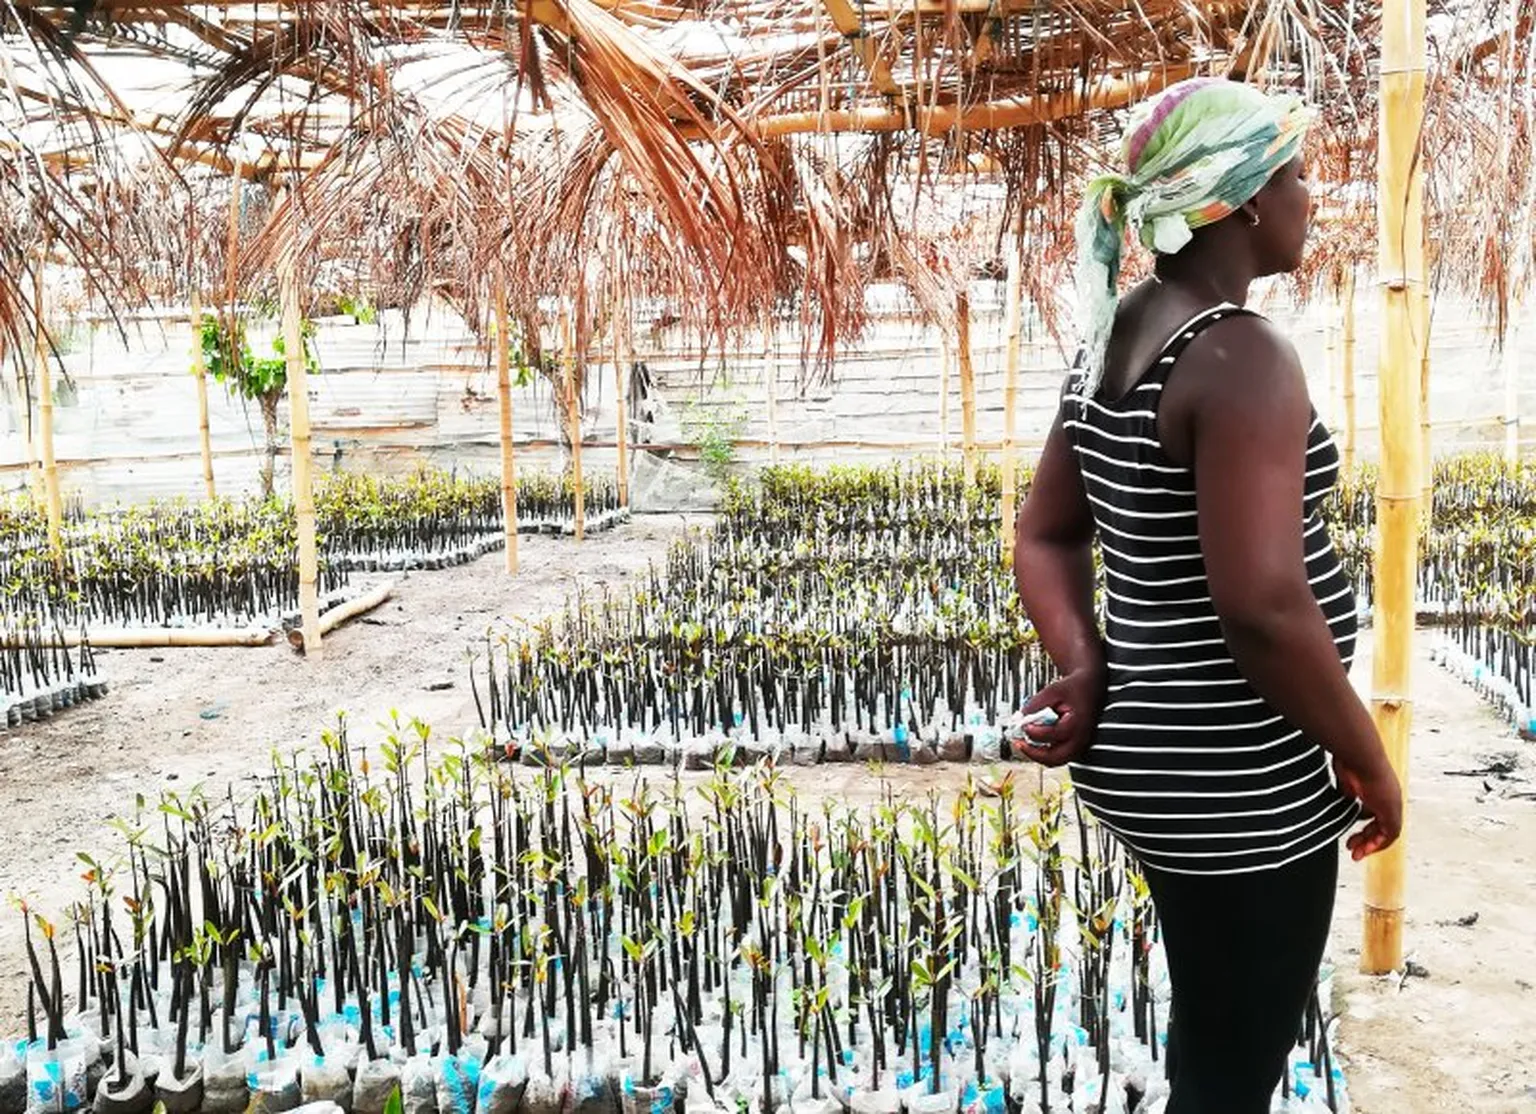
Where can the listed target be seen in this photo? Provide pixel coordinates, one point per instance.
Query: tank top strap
(1185, 335)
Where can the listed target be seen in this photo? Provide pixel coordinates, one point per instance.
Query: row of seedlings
(442, 935)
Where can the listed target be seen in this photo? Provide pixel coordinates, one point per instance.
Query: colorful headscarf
(1192, 155)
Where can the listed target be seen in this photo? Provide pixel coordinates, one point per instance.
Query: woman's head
(1203, 152)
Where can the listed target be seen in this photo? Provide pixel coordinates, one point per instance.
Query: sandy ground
(1462, 1033)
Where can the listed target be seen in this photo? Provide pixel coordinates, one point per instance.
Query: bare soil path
(1462, 1036)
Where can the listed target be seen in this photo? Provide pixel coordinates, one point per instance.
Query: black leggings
(1243, 953)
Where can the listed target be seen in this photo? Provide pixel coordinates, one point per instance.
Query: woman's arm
(1246, 423)
(1053, 571)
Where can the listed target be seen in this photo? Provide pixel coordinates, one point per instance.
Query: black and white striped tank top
(1190, 767)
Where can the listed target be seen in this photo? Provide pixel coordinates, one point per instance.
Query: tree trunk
(268, 404)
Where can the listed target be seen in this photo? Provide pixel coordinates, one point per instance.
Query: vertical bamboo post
(24, 396)
(504, 402)
(573, 421)
(303, 481)
(967, 382)
(944, 391)
(1400, 228)
(1347, 368)
(232, 240)
(1509, 360)
(771, 382)
(200, 370)
(54, 503)
(1013, 292)
(621, 358)
(1426, 426)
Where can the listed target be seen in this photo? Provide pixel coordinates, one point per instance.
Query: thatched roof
(738, 158)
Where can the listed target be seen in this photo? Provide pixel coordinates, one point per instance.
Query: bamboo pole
(232, 238)
(944, 391)
(621, 358)
(200, 370)
(24, 397)
(1426, 427)
(504, 402)
(345, 612)
(771, 381)
(50, 465)
(147, 638)
(1014, 294)
(1400, 228)
(299, 440)
(573, 421)
(1347, 368)
(1509, 361)
(967, 383)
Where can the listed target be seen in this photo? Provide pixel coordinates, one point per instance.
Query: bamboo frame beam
(945, 374)
(771, 384)
(1426, 431)
(967, 383)
(200, 371)
(299, 439)
(50, 465)
(1400, 227)
(1509, 364)
(504, 409)
(1010, 112)
(852, 27)
(1014, 297)
(1347, 369)
(572, 393)
(621, 358)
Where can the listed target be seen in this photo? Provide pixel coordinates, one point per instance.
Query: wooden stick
(303, 483)
(621, 358)
(771, 382)
(1347, 346)
(504, 401)
(232, 241)
(967, 383)
(1426, 448)
(573, 420)
(1400, 229)
(54, 502)
(200, 369)
(1510, 361)
(345, 612)
(1014, 296)
(144, 638)
(944, 391)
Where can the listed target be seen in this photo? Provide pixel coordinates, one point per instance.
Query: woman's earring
(1253, 220)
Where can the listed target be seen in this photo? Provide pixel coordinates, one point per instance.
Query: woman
(1200, 726)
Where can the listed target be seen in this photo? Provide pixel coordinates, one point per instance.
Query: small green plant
(227, 356)
(360, 308)
(713, 431)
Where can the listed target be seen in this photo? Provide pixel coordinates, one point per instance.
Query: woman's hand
(1076, 698)
(1381, 795)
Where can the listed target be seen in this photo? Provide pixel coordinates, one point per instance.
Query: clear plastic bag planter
(457, 1082)
(503, 1082)
(274, 1086)
(326, 1079)
(182, 1095)
(56, 1079)
(226, 1089)
(13, 1077)
(376, 1081)
(637, 1099)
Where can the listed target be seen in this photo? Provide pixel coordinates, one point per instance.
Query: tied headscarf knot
(1193, 155)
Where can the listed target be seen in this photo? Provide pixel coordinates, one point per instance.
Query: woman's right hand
(1381, 795)
(1077, 698)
